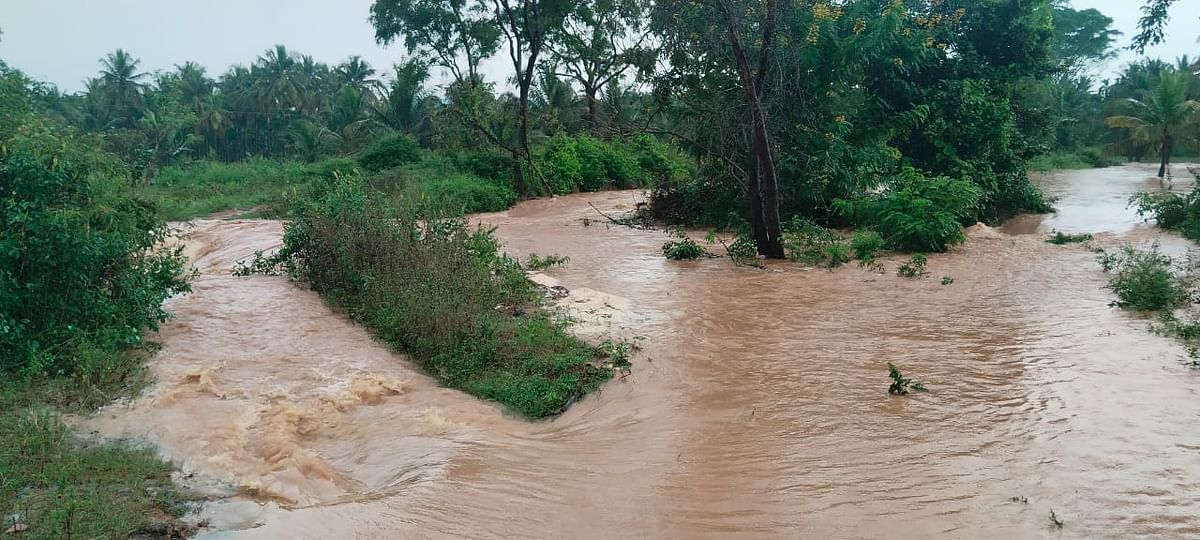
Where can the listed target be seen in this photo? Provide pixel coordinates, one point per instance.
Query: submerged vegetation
(1060, 238)
(901, 385)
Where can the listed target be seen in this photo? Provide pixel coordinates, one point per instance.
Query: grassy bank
(440, 292)
(54, 484)
(1084, 158)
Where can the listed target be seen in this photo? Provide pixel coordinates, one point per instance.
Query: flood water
(757, 407)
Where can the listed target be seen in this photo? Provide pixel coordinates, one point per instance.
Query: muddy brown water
(756, 409)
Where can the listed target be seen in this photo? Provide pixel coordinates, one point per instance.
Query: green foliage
(683, 249)
(915, 212)
(584, 163)
(743, 248)
(83, 270)
(461, 194)
(947, 280)
(914, 268)
(1084, 158)
(1146, 280)
(805, 241)
(390, 151)
(1171, 211)
(866, 244)
(1060, 238)
(440, 292)
(902, 386)
(536, 263)
(617, 352)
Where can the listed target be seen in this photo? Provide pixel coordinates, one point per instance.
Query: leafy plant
(836, 254)
(1059, 238)
(947, 280)
(915, 267)
(901, 386)
(916, 212)
(390, 151)
(866, 244)
(743, 248)
(541, 263)
(617, 352)
(683, 249)
(1146, 280)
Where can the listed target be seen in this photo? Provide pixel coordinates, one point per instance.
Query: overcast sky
(61, 41)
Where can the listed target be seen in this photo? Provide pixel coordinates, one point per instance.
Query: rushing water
(756, 409)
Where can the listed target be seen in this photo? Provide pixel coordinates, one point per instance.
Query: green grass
(61, 486)
(263, 187)
(1060, 238)
(442, 293)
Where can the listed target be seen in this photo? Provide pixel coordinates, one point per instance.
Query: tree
(279, 84)
(600, 41)
(1081, 37)
(1152, 25)
(1162, 117)
(356, 73)
(527, 26)
(708, 38)
(453, 34)
(122, 87)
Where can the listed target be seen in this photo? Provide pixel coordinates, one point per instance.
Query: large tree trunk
(771, 245)
(593, 118)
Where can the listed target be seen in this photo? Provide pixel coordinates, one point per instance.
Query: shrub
(487, 164)
(743, 248)
(806, 242)
(1171, 211)
(82, 269)
(441, 292)
(866, 244)
(917, 213)
(390, 151)
(684, 249)
(1145, 280)
(915, 267)
(584, 163)
(837, 254)
(461, 194)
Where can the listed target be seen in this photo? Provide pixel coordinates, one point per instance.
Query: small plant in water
(901, 385)
(946, 280)
(1055, 522)
(1021, 499)
(1059, 238)
(684, 249)
(617, 352)
(915, 267)
(743, 249)
(866, 245)
(541, 263)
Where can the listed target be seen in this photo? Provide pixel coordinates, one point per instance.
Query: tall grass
(441, 292)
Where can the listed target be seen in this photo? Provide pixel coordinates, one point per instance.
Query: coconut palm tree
(122, 86)
(278, 83)
(405, 104)
(1163, 117)
(356, 73)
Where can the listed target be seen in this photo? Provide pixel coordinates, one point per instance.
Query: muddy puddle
(756, 409)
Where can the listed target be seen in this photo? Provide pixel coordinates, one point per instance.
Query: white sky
(61, 41)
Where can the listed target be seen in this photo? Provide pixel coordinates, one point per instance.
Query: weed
(258, 264)
(1145, 280)
(1059, 238)
(536, 263)
(1055, 522)
(617, 352)
(1021, 499)
(946, 280)
(901, 386)
(684, 249)
(743, 248)
(915, 267)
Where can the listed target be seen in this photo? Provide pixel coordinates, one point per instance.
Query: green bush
(584, 163)
(441, 292)
(1171, 210)
(915, 267)
(866, 244)
(390, 151)
(203, 188)
(82, 269)
(488, 164)
(461, 194)
(1060, 238)
(684, 249)
(917, 213)
(1145, 280)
